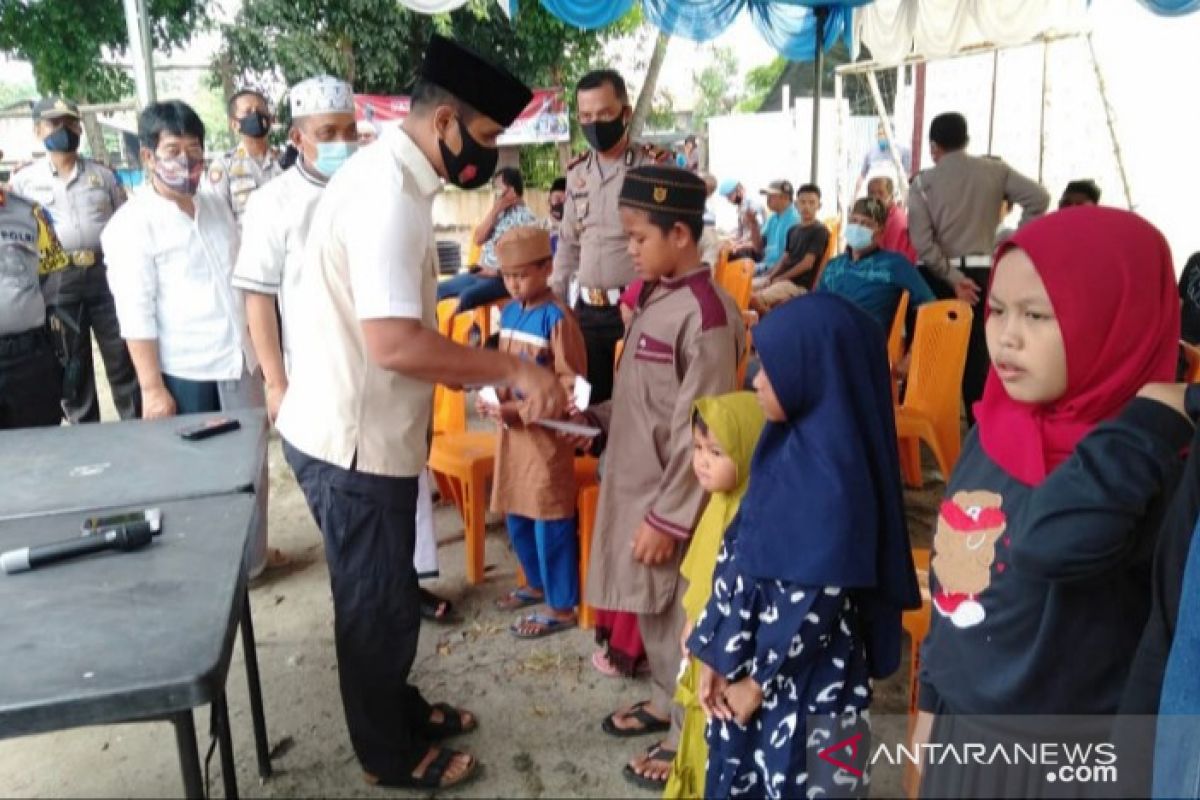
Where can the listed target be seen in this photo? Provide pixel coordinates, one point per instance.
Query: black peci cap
(490, 89)
(668, 189)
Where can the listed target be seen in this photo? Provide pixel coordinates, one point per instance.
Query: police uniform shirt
(592, 244)
(274, 229)
(79, 206)
(29, 251)
(953, 207)
(235, 175)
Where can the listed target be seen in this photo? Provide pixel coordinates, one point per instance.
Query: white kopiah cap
(321, 95)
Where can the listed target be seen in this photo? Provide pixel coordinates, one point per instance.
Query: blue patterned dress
(801, 645)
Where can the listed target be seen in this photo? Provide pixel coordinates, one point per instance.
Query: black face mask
(556, 210)
(736, 199)
(603, 136)
(255, 125)
(474, 164)
(63, 140)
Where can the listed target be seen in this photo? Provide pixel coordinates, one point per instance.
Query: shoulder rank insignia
(577, 160)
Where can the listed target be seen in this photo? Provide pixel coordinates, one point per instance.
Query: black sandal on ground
(433, 775)
(655, 753)
(437, 609)
(649, 722)
(452, 723)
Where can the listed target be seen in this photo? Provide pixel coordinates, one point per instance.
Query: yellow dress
(735, 420)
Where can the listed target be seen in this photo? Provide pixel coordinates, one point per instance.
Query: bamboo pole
(1112, 125)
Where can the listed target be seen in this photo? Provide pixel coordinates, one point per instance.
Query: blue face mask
(859, 237)
(332, 155)
(882, 144)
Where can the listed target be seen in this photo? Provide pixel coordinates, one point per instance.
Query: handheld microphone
(122, 538)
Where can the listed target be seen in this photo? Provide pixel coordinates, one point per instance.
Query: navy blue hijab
(824, 506)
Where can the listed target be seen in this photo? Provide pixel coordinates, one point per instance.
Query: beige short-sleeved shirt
(370, 254)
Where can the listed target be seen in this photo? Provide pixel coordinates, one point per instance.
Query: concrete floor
(540, 704)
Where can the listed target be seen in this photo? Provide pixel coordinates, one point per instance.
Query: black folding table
(131, 636)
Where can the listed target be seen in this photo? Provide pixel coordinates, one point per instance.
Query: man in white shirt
(170, 253)
(356, 417)
(274, 229)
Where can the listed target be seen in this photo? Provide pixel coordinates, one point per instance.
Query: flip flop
(430, 603)
(550, 626)
(649, 722)
(517, 599)
(432, 777)
(655, 753)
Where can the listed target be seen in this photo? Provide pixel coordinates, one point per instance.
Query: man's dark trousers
(368, 523)
(602, 329)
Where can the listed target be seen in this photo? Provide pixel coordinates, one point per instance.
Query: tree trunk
(646, 96)
(224, 69)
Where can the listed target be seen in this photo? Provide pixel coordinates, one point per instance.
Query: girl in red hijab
(1040, 571)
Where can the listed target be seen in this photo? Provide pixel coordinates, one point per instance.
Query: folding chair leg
(910, 462)
(475, 524)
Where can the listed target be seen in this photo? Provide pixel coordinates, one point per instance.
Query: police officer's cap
(53, 108)
(667, 189)
(489, 89)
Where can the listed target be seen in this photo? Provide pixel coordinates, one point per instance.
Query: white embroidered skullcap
(321, 95)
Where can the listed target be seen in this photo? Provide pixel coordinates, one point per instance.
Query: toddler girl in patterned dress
(816, 568)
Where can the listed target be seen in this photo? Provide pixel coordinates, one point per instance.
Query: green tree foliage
(714, 87)
(377, 44)
(15, 92)
(759, 82)
(67, 41)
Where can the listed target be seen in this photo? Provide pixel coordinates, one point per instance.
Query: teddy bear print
(968, 527)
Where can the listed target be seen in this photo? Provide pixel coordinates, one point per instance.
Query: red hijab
(1111, 282)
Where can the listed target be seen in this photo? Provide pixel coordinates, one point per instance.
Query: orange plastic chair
(474, 253)
(479, 317)
(930, 411)
(834, 224)
(916, 625)
(895, 343)
(588, 500)
(722, 262)
(462, 461)
(738, 281)
(1191, 354)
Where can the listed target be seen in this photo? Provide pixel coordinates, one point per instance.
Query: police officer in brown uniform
(952, 210)
(253, 162)
(30, 375)
(79, 196)
(592, 246)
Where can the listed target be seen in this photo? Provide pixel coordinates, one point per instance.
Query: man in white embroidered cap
(356, 417)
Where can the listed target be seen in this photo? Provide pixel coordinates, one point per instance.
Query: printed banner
(543, 120)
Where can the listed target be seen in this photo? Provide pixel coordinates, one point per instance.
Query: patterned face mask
(179, 174)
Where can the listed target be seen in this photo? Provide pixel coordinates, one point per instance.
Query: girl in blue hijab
(816, 569)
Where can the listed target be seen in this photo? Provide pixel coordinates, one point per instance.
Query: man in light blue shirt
(771, 241)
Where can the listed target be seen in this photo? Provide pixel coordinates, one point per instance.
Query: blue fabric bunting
(789, 26)
(588, 14)
(1171, 8)
(698, 20)
(792, 29)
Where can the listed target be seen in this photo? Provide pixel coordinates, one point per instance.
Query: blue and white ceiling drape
(789, 26)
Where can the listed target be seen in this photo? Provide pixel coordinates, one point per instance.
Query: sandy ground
(540, 704)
